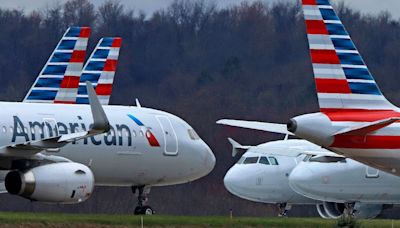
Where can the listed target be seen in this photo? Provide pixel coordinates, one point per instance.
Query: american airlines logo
(119, 134)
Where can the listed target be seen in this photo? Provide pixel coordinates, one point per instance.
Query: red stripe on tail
(309, 2)
(78, 56)
(85, 32)
(316, 27)
(332, 85)
(116, 42)
(324, 56)
(70, 82)
(110, 65)
(104, 89)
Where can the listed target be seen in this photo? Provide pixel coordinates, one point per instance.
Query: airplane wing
(100, 126)
(364, 129)
(255, 125)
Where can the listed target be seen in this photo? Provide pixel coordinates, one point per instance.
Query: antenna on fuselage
(138, 103)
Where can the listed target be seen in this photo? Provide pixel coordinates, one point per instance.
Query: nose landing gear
(283, 209)
(142, 208)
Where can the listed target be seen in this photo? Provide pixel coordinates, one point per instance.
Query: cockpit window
(241, 160)
(250, 160)
(273, 161)
(193, 135)
(307, 158)
(264, 160)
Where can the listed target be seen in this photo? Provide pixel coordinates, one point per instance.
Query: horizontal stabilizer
(236, 147)
(255, 125)
(367, 128)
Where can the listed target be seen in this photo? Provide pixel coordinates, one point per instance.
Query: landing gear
(349, 209)
(283, 209)
(141, 208)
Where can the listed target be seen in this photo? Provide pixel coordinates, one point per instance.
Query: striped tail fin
(59, 79)
(342, 79)
(100, 70)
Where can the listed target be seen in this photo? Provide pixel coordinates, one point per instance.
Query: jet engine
(335, 210)
(65, 183)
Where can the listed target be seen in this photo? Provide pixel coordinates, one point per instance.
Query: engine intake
(66, 183)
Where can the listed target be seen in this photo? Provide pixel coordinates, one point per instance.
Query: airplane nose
(233, 181)
(210, 159)
(299, 179)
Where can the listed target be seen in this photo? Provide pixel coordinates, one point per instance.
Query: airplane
(296, 172)
(262, 176)
(338, 179)
(57, 153)
(355, 119)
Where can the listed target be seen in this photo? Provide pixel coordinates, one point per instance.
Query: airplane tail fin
(342, 79)
(236, 147)
(100, 70)
(58, 81)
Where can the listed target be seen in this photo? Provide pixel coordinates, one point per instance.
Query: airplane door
(371, 172)
(50, 128)
(170, 138)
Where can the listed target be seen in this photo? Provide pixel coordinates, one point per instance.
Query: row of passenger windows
(262, 160)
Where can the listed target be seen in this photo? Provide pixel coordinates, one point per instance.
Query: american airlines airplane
(297, 172)
(355, 119)
(56, 153)
(345, 182)
(261, 174)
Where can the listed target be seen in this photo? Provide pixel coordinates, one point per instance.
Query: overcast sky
(149, 6)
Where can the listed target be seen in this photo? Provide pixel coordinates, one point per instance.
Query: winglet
(236, 147)
(100, 120)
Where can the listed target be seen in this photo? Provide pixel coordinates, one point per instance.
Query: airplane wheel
(148, 210)
(138, 210)
(145, 210)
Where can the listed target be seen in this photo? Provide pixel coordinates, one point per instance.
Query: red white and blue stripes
(347, 93)
(342, 79)
(100, 70)
(59, 79)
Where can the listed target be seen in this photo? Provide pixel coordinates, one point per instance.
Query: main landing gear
(283, 209)
(349, 210)
(142, 208)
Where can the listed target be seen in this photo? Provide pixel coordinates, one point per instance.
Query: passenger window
(250, 160)
(264, 160)
(4, 129)
(241, 160)
(133, 133)
(141, 133)
(273, 161)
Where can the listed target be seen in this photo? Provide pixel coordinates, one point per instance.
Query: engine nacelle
(65, 183)
(315, 127)
(362, 211)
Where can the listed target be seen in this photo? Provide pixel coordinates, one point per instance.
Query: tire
(146, 210)
(138, 210)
